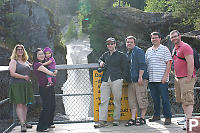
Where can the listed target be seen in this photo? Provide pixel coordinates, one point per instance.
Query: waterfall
(78, 82)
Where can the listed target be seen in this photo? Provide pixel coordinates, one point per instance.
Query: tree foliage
(187, 10)
(139, 4)
(101, 4)
(100, 28)
(71, 32)
(155, 6)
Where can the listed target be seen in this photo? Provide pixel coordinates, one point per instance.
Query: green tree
(139, 4)
(71, 32)
(156, 6)
(100, 28)
(101, 4)
(187, 10)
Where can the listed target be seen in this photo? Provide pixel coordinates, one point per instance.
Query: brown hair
(155, 33)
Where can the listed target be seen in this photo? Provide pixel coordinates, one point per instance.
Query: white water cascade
(78, 82)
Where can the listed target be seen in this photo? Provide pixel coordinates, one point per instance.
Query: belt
(180, 77)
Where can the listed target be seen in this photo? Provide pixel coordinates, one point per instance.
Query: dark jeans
(157, 90)
(48, 107)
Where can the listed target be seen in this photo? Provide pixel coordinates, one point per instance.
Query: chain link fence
(76, 99)
(176, 108)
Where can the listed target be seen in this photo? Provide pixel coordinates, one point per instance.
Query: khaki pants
(106, 88)
(137, 95)
(184, 91)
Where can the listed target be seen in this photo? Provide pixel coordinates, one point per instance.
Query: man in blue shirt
(138, 80)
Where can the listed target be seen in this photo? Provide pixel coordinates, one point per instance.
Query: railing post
(14, 114)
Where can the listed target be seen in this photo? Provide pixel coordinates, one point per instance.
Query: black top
(115, 66)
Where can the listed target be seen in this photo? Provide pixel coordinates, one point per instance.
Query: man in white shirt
(158, 59)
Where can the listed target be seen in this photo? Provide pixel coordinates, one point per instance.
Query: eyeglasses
(129, 42)
(173, 36)
(110, 43)
(20, 49)
(154, 37)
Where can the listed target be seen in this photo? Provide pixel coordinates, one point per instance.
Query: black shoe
(45, 130)
(28, 125)
(115, 123)
(23, 127)
(130, 123)
(100, 124)
(140, 121)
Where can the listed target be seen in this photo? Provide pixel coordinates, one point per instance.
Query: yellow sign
(125, 111)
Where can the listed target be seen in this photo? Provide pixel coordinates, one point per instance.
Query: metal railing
(75, 104)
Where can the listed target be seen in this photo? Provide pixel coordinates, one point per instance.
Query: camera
(100, 69)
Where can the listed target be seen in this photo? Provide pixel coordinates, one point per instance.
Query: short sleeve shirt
(52, 65)
(156, 60)
(180, 66)
(41, 76)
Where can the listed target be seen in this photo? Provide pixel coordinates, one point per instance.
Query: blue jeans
(157, 90)
(52, 70)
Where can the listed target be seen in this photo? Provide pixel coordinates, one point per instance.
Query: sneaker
(167, 121)
(28, 125)
(23, 127)
(49, 84)
(115, 123)
(101, 124)
(182, 122)
(154, 118)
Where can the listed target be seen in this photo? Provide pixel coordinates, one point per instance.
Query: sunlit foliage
(187, 10)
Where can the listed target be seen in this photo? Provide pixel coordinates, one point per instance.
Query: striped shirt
(156, 60)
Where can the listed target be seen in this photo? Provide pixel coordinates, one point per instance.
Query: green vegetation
(71, 32)
(15, 23)
(99, 29)
(156, 6)
(187, 10)
(93, 22)
(119, 3)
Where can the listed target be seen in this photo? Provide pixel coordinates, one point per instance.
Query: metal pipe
(3, 101)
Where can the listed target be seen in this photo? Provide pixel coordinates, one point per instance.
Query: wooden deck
(150, 127)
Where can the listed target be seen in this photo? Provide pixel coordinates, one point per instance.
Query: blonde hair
(14, 55)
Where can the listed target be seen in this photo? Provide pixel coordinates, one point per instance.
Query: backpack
(196, 58)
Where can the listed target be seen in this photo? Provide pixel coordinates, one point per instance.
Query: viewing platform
(150, 127)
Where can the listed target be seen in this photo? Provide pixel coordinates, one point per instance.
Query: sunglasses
(112, 43)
